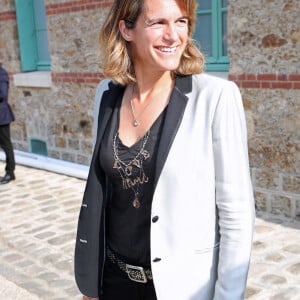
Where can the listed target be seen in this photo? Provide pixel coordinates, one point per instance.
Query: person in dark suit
(6, 117)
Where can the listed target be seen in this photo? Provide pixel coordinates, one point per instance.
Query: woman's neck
(147, 86)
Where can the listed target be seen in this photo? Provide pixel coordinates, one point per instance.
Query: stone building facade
(59, 113)
(264, 51)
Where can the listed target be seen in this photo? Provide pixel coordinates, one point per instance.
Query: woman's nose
(171, 33)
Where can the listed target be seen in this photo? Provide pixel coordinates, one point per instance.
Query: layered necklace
(135, 116)
(129, 179)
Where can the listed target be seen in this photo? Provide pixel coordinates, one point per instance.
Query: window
(211, 33)
(33, 39)
(38, 146)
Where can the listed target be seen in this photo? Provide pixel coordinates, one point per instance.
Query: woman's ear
(125, 31)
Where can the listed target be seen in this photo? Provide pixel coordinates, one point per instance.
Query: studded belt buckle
(136, 273)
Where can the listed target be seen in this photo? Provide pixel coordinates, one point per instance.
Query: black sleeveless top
(131, 173)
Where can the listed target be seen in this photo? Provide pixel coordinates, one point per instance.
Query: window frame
(217, 61)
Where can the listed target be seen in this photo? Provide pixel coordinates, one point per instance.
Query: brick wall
(267, 81)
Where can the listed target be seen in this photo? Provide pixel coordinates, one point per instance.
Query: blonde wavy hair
(114, 52)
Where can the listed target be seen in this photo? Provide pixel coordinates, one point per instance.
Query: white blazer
(201, 243)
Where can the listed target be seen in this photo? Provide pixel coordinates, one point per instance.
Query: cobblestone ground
(38, 219)
(275, 265)
(38, 213)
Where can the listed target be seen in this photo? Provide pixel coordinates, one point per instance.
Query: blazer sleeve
(88, 256)
(234, 195)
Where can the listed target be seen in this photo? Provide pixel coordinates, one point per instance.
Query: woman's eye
(182, 21)
(158, 23)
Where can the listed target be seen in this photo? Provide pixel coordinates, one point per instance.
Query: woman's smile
(159, 37)
(169, 50)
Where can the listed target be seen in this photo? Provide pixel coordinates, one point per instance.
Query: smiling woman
(115, 51)
(158, 38)
(168, 208)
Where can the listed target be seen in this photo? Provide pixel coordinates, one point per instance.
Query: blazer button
(157, 259)
(155, 219)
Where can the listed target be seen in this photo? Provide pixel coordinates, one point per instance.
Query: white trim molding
(39, 79)
(49, 164)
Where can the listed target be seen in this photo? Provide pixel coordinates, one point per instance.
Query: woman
(168, 207)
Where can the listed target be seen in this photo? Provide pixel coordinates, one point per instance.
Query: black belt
(135, 273)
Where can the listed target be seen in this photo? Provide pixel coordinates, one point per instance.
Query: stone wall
(264, 36)
(9, 54)
(73, 35)
(61, 115)
(264, 50)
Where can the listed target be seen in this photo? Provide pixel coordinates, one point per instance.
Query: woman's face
(159, 36)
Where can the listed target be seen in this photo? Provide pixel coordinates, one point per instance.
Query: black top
(131, 172)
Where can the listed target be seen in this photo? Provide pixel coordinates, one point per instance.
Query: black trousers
(117, 285)
(6, 145)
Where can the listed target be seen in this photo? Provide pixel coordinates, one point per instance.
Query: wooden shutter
(27, 35)
(41, 35)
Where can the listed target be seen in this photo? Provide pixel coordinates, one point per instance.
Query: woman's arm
(234, 195)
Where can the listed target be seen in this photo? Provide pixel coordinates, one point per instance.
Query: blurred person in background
(6, 117)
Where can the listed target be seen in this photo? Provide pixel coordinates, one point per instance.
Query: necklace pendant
(136, 203)
(128, 170)
(137, 163)
(135, 123)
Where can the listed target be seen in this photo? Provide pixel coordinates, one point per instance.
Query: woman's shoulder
(105, 85)
(102, 86)
(213, 85)
(210, 81)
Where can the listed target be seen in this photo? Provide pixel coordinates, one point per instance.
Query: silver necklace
(125, 169)
(135, 122)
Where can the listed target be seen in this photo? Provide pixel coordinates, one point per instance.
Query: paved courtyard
(38, 217)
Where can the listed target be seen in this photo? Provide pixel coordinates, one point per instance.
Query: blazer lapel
(108, 102)
(173, 118)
